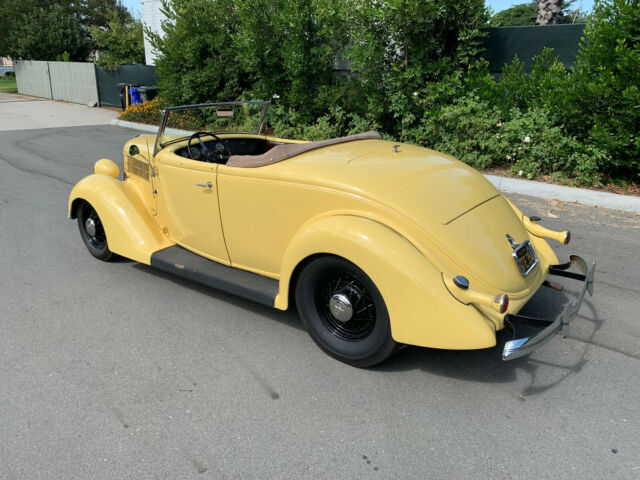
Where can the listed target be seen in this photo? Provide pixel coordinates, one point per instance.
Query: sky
(135, 5)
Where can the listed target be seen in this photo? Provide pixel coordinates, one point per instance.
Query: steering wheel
(210, 155)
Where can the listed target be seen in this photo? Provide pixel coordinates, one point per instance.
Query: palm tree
(549, 12)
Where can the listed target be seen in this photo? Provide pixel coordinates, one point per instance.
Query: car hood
(452, 205)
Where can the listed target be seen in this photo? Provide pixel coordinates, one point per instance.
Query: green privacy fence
(108, 80)
(504, 43)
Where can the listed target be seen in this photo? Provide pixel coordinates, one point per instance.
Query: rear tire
(93, 233)
(344, 312)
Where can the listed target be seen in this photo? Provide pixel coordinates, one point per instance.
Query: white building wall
(152, 18)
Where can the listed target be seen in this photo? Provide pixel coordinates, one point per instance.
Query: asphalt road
(114, 370)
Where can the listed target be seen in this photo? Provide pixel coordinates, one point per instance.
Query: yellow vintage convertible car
(376, 243)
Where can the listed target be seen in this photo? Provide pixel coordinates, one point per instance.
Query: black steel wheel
(344, 312)
(92, 232)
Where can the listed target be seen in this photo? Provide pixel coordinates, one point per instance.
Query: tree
(46, 29)
(549, 12)
(401, 50)
(99, 13)
(523, 14)
(574, 15)
(198, 60)
(120, 42)
(41, 30)
(526, 14)
(289, 48)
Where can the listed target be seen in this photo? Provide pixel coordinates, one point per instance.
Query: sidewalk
(629, 203)
(19, 112)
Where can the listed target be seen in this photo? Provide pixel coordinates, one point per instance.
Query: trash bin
(148, 93)
(123, 100)
(135, 95)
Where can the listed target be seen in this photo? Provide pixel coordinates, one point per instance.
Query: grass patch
(8, 84)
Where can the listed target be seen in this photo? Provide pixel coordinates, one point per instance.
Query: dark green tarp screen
(503, 43)
(108, 81)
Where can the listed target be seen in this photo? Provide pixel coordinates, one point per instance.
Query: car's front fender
(421, 310)
(130, 228)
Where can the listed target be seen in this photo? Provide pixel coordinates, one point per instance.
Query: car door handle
(205, 185)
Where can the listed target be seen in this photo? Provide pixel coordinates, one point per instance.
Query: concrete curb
(148, 128)
(136, 126)
(628, 203)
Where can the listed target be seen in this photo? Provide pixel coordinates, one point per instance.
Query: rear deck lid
(443, 186)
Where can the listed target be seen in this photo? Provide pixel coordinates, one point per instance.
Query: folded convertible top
(288, 150)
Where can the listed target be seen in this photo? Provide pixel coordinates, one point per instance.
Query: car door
(187, 204)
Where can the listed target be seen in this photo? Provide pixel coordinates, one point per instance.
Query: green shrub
(148, 112)
(284, 123)
(603, 100)
(597, 103)
(527, 142)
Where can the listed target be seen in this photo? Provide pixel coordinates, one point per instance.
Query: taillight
(503, 303)
(567, 237)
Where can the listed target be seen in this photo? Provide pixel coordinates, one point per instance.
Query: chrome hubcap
(90, 227)
(340, 307)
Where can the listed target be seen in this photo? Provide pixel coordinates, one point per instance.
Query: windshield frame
(167, 111)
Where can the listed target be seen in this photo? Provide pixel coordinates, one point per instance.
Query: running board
(186, 264)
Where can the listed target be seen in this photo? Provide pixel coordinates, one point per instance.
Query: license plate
(525, 258)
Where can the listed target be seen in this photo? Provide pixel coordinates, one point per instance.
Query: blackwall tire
(92, 233)
(344, 312)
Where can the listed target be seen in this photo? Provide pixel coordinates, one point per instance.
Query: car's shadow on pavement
(535, 374)
(542, 372)
(288, 318)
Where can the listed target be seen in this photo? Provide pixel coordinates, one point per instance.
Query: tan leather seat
(288, 150)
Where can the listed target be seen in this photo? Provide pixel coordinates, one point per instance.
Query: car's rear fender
(421, 310)
(130, 228)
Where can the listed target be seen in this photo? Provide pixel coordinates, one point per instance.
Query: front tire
(344, 312)
(92, 232)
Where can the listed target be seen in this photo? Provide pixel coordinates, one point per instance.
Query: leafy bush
(603, 93)
(148, 112)
(284, 123)
(597, 103)
(527, 142)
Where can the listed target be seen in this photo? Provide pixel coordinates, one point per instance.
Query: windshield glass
(227, 117)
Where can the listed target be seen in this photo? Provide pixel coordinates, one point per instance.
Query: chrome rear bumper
(523, 346)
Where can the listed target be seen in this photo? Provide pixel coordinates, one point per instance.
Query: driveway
(20, 112)
(115, 370)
